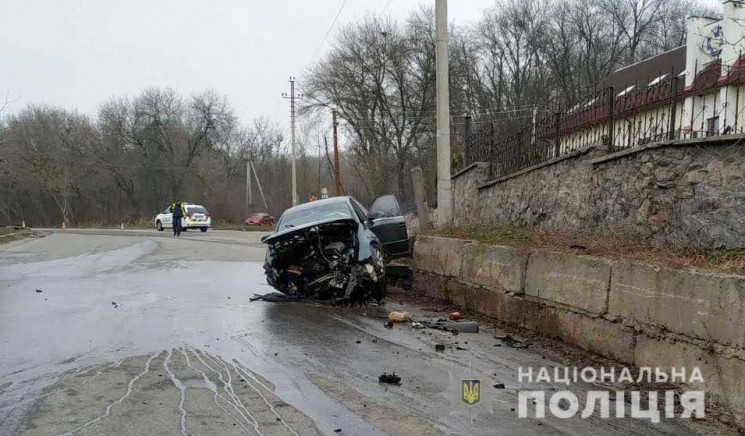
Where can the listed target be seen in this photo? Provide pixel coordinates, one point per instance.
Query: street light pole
(444, 194)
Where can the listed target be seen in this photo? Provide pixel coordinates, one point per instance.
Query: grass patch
(608, 246)
(500, 235)
(8, 234)
(7, 230)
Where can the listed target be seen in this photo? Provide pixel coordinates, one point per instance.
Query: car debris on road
(399, 317)
(455, 327)
(391, 379)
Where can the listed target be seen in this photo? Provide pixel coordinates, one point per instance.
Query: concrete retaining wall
(635, 313)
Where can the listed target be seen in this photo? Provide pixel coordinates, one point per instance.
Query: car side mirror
(264, 238)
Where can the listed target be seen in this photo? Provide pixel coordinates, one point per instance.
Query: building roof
(644, 72)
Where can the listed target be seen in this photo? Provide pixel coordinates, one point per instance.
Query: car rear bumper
(197, 225)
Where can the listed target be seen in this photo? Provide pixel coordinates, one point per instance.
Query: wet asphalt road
(137, 332)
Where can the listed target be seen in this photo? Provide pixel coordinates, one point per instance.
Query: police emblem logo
(714, 41)
(470, 391)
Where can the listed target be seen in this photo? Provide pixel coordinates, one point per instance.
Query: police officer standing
(177, 213)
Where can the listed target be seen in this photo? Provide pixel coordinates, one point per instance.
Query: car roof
(316, 203)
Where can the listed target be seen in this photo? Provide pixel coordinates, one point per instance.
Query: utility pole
(261, 191)
(337, 173)
(249, 199)
(444, 194)
(292, 139)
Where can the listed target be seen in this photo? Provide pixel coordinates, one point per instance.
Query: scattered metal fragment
(499, 385)
(391, 379)
(439, 347)
(38, 291)
(389, 325)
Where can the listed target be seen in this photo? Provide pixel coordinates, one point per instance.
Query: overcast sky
(77, 53)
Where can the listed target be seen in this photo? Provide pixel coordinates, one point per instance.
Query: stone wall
(685, 193)
(635, 313)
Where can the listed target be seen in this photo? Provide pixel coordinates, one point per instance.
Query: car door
(167, 217)
(388, 224)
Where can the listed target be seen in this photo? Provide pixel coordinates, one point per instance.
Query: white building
(694, 90)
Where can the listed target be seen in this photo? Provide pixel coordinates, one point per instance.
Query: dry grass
(142, 223)
(613, 247)
(224, 225)
(7, 230)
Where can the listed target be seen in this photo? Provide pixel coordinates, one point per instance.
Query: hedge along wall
(686, 193)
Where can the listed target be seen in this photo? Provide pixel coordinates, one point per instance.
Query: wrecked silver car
(335, 249)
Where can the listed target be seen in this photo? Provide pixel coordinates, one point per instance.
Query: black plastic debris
(454, 327)
(39, 291)
(391, 379)
(439, 347)
(338, 430)
(389, 325)
(274, 297)
(113, 303)
(499, 385)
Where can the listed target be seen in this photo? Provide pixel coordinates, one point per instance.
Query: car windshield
(258, 215)
(196, 209)
(319, 213)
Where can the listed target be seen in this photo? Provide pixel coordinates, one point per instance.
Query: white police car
(197, 217)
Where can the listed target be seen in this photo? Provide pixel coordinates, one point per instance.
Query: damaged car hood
(290, 231)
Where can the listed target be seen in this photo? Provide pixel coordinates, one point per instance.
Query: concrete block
(594, 334)
(430, 284)
(576, 281)
(438, 255)
(723, 376)
(704, 305)
(494, 267)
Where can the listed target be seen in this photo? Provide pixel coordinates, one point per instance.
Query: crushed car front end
(329, 259)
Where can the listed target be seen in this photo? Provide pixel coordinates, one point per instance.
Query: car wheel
(159, 226)
(203, 229)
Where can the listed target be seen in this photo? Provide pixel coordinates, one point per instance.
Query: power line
(331, 27)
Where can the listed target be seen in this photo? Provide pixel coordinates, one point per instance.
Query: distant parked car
(260, 219)
(197, 217)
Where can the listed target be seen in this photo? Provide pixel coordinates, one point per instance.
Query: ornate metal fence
(661, 109)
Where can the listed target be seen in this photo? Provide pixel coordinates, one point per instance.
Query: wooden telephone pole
(337, 173)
